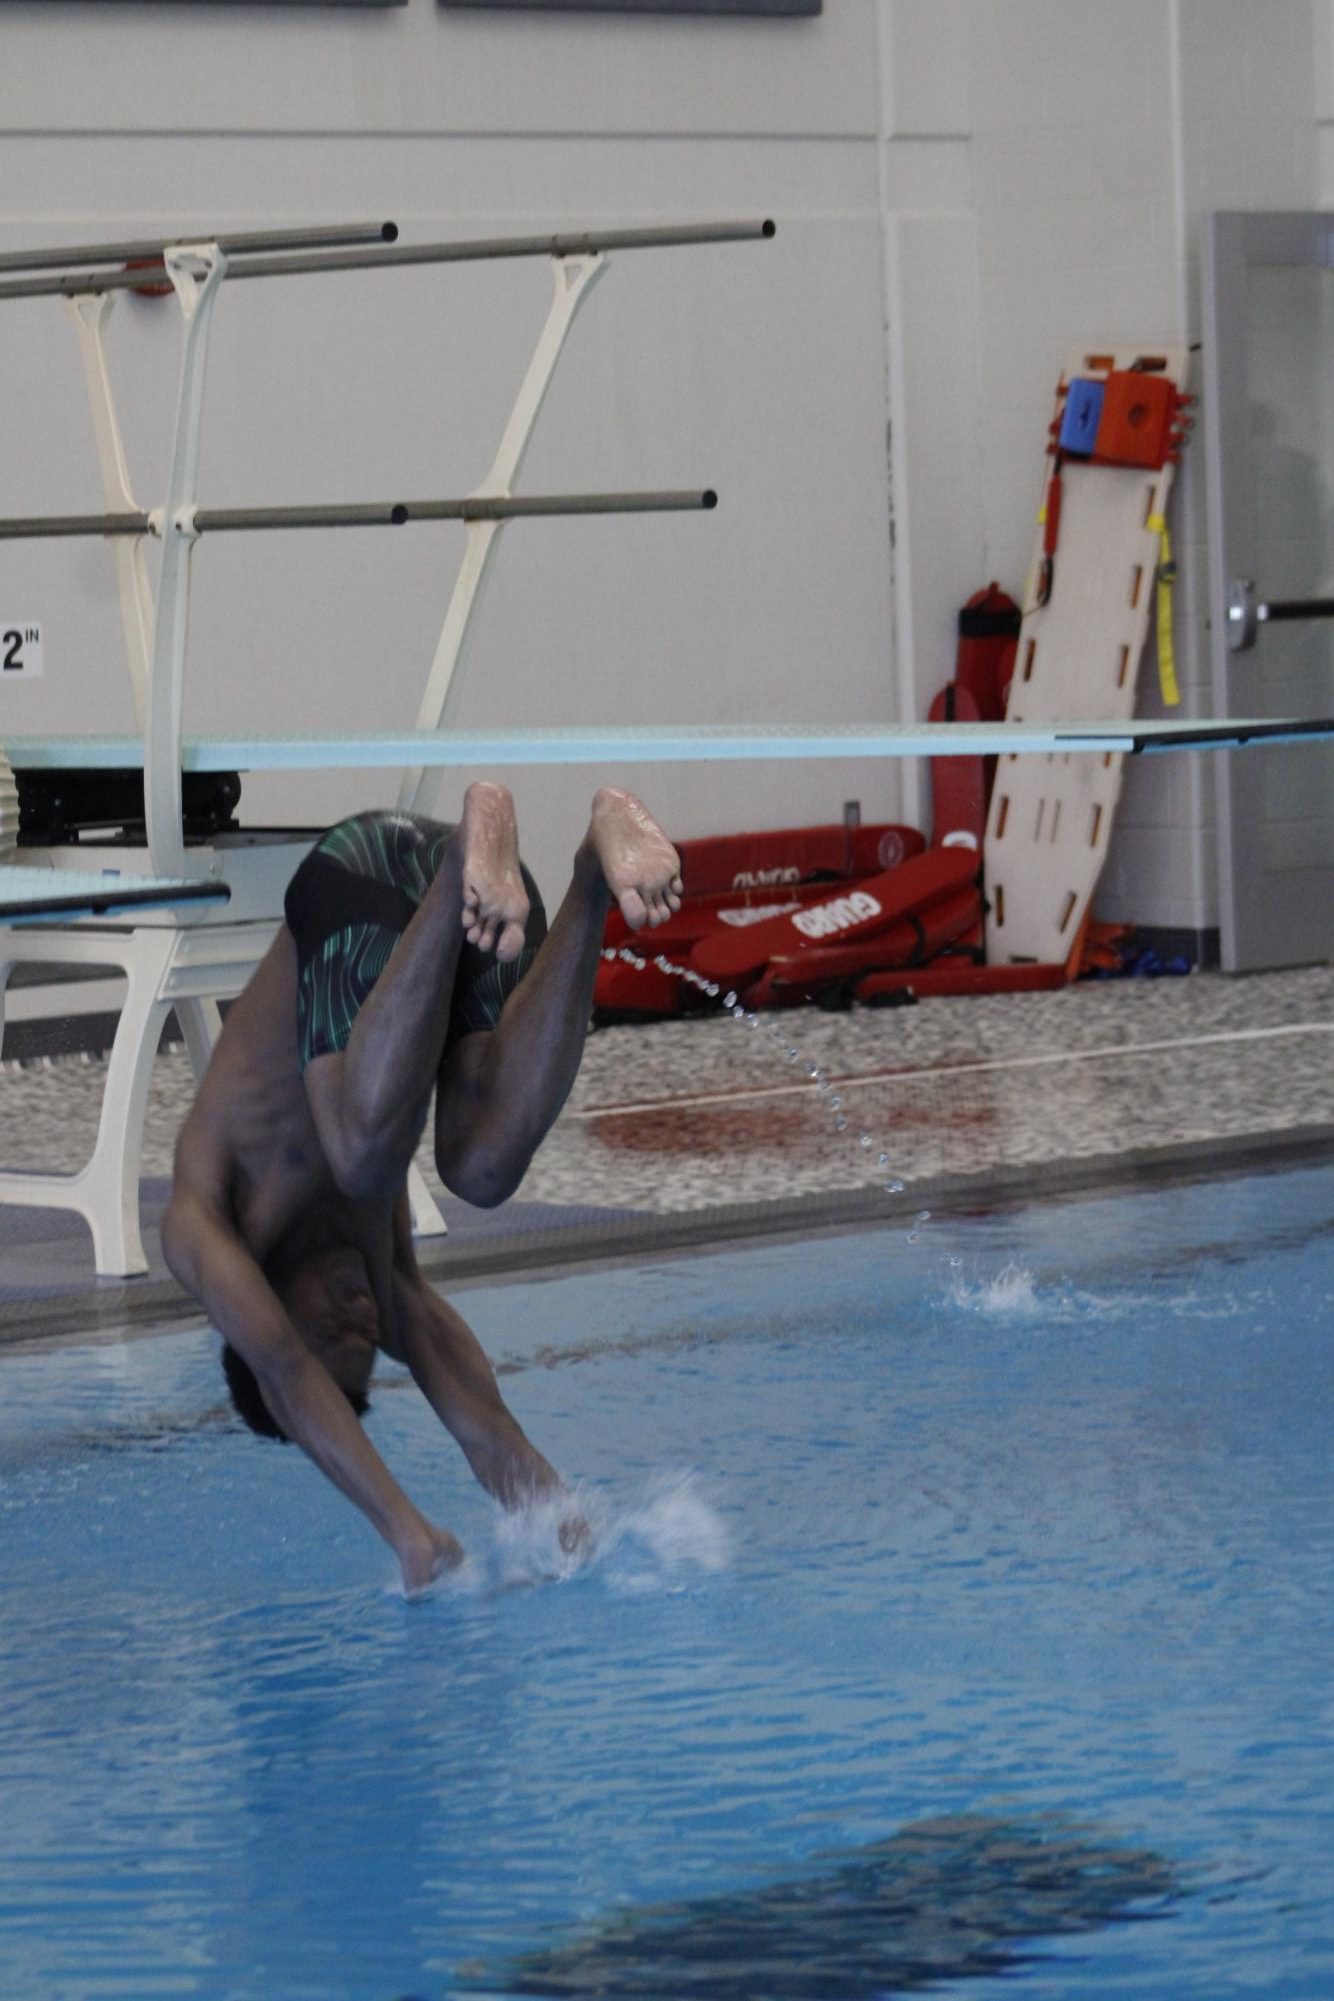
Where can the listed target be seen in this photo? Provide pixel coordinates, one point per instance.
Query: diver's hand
(576, 1538)
(426, 1556)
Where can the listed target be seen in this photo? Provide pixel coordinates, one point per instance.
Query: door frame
(1255, 928)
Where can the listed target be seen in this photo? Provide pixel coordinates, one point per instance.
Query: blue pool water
(965, 1623)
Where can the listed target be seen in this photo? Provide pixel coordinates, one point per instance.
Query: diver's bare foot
(495, 902)
(639, 864)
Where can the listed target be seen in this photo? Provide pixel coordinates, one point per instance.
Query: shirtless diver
(415, 957)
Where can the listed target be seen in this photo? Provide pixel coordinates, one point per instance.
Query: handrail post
(90, 313)
(196, 271)
(573, 278)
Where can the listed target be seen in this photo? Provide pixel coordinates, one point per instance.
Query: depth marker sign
(21, 647)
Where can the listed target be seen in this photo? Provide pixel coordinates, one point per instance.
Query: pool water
(961, 1616)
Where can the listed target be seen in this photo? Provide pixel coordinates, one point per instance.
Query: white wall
(758, 369)
(1057, 156)
(965, 189)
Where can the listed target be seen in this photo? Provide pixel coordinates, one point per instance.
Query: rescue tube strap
(1166, 579)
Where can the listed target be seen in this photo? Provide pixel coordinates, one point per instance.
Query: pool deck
(708, 1130)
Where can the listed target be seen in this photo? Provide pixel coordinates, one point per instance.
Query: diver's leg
(369, 1099)
(499, 1094)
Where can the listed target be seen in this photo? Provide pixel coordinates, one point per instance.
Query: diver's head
(327, 1297)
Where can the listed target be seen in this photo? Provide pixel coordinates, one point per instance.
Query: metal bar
(1294, 608)
(412, 253)
(233, 243)
(367, 514)
(39, 527)
(587, 243)
(1247, 612)
(511, 507)
(477, 507)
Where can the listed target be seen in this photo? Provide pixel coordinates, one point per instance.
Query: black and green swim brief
(347, 906)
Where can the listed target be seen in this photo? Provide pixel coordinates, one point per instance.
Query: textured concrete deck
(706, 1128)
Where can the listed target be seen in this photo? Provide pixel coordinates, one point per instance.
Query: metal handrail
(66, 257)
(366, 514)
(585, 244)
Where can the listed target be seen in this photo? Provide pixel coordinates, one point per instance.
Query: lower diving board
(35, 895)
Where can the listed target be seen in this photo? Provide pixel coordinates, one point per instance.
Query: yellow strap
(1167, 572)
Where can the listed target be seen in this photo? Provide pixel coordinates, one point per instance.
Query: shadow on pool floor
(941, 1900)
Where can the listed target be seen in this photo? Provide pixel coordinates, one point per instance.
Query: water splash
(672, 1536)
(734, 1006)
(1011, 1291)
(663, 1541)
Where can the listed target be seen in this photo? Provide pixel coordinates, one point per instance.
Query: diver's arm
(450, 1368)
(208, 1257)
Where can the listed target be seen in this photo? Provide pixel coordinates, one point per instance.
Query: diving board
(469, 749)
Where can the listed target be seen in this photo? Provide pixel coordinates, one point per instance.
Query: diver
(415, 959)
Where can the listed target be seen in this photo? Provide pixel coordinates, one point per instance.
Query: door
(1269, 417)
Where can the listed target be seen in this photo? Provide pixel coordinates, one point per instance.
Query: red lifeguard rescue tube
(850, 912)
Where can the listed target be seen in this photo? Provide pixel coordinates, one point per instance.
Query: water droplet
(956, 1264)
(894, 1188)
(729, 1000)
(883, 1160)
(913, 1237)
(792, 1055)
(864, 1140)
(924, 1215)
(835, 1103)
(812, 1069)
(712, 990)
(840, 1124)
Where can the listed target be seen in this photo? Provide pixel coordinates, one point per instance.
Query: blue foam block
(1083, 414)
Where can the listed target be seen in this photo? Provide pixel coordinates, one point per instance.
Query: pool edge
(108, 1310)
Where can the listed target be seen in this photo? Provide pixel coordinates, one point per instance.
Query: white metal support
(90, 313)
(573, 278)
(196, 271)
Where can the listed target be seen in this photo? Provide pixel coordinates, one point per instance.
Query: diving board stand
(188, 949)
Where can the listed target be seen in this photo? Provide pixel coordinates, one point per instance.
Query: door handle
(1247, 611)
